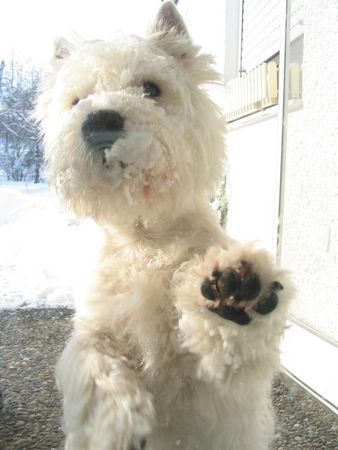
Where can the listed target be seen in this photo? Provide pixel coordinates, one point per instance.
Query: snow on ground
(42, 251)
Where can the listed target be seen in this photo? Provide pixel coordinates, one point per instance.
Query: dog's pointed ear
(168, 20)
(169, 33)
(62, 49)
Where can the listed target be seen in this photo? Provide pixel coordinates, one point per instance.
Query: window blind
(261, 29)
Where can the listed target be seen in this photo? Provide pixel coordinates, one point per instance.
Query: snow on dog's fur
(166, 352)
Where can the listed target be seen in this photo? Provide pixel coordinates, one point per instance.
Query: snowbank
(43, 253)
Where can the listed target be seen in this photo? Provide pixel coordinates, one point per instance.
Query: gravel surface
(31, 341)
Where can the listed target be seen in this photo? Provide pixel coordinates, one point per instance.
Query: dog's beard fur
(171, 145)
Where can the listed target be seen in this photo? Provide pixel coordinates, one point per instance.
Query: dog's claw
(277, 286)
(139, 446)
(208, 289)
(216, 273)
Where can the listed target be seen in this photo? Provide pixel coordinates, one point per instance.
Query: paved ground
(30, 342)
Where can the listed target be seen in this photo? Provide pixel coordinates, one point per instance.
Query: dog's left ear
(168, 20)
(169, 31)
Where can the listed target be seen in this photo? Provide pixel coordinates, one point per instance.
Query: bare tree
(2, 66)
(21, 152)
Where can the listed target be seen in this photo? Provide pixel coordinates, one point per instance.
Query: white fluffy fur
(147, 359)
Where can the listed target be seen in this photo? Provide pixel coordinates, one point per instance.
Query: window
(260, 36)
(253, 86)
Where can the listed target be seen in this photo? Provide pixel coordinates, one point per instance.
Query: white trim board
(265, 114)
(312, 361)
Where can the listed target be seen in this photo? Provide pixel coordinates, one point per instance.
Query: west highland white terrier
(177, 339)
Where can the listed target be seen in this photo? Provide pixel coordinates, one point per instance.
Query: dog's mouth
(102, 148)
(108, 164)
(103, 140)
(126, 157)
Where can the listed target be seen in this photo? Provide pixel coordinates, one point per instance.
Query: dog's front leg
(232, 306)
(105, 405)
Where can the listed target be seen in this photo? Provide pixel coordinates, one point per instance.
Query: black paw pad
(269, 300)
(250, 287)
(238, 289)
(228, 283)
(209, 289)
(239, 282)
(237, 315)
(232, 287)
(267, 303)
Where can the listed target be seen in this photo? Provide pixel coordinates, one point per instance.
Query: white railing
(257, 90)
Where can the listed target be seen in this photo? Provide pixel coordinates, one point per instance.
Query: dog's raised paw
(238, 289)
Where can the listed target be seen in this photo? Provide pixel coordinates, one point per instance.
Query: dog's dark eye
(75, 101)
(151, 89)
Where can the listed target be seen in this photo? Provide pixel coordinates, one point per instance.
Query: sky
(31, 25)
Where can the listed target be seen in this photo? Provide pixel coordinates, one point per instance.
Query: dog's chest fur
(134, 279)
(132, 293)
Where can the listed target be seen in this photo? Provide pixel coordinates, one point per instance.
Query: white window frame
(233, 37)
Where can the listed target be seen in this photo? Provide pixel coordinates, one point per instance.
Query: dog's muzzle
(102, 128)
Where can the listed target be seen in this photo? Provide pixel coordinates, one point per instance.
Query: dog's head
(129, 130)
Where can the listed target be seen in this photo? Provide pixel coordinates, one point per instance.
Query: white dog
(178, 339)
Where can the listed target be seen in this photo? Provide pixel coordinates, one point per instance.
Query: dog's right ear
(62, 49)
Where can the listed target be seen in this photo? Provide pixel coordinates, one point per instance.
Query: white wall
(310, 231)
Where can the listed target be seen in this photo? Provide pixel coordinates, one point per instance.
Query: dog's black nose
(102, 128)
